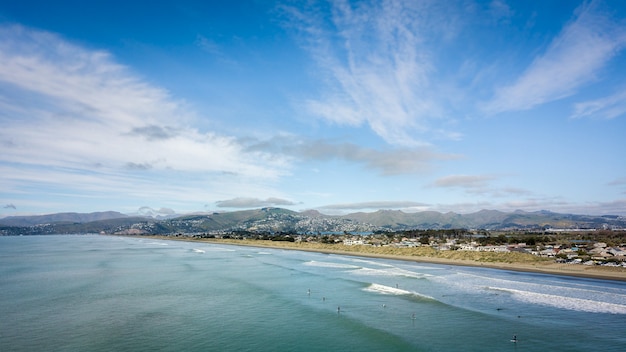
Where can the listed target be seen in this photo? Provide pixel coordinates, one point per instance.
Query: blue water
(100, 293)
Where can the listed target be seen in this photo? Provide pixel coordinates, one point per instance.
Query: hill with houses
(283, 220)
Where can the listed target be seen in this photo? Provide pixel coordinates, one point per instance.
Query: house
(353, 242)
(493, 249)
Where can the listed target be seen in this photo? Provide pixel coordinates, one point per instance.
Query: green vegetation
(436, 243)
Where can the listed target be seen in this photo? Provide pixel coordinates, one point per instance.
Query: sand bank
(503, 261)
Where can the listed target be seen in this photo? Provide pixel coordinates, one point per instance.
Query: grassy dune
(417, 252)
(509, 261)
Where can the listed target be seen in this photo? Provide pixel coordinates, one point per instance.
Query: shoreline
(541, 267)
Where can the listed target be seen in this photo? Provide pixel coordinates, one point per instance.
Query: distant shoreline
(542, 267)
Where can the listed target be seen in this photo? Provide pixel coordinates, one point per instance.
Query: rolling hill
(277, 219)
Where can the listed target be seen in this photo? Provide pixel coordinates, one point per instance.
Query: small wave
(219, 249)
(196, 250)
(388, 290)
(158, 243)
(570, 303)
(371, 262)
(393, 271)
(331, 265)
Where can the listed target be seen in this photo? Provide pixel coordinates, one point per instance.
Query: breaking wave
(571, 303)
(331, 265)
(392, 271)
(388, 290)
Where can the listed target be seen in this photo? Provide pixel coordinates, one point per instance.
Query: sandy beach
(504, 261)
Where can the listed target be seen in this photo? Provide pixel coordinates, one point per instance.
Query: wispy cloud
(555, 204)
(463, 181)
(606, 108)
(615, 207)
(208, 45)
(78, 112)
(500, 10)
(376, 66)
(618, 182)
(88, 109)
(244, 202)
(153, 132)
(213, 49)
(373, 205)
(573, 59)
(391, 161)
(478, 184)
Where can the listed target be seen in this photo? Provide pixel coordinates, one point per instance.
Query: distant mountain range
(60, 218)
(277, 219)
(486, 219)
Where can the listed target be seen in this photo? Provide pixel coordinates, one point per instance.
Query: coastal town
(479, 237)
(591, 248)
(591, 253)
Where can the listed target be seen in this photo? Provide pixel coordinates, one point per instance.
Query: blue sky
(192, 106)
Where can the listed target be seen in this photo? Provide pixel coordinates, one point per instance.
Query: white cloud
(478, 185)
(75, 122)
(387, 162)
(573, 59)
(209, 46)
(375, 65)
(373, 205)
(67, 106)
(557, 205)
(464, 181)
(244, 202)
(621, 181)
(607, 108)
(500, 10)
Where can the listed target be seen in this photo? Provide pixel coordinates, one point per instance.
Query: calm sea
(98, 293)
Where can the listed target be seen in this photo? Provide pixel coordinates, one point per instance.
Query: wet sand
(535, 265)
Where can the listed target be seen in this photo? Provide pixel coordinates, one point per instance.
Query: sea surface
(102, 293)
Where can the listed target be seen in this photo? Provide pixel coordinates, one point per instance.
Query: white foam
(392, 271)
(388, 290)
(219, 249)
(571, 303)
(198, 250)
(371, 262)
(570, 289)
(331, 265)
(158, 243)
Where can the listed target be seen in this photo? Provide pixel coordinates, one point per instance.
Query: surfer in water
(514, 339)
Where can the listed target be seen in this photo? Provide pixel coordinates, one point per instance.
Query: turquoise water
(98, 293)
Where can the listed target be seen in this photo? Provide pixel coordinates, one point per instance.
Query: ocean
(104, 293)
